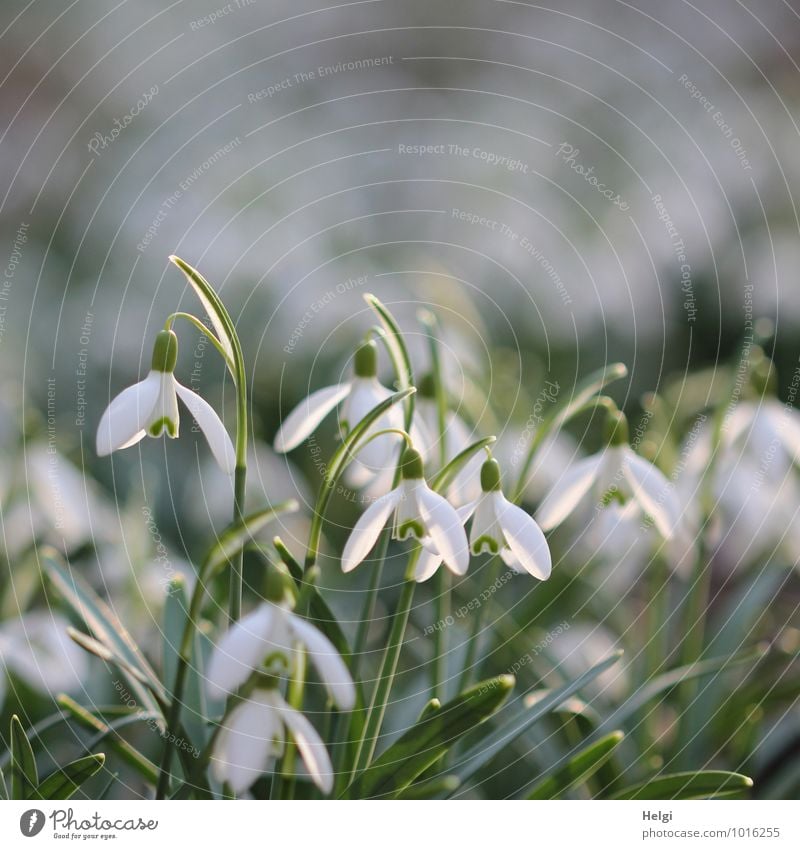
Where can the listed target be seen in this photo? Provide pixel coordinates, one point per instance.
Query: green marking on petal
(410, 528)
(485, 543)
(611, 495)
(163, 424)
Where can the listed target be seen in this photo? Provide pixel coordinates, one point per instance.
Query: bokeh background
(435, 153)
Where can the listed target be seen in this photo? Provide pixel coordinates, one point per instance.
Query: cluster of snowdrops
(425, 476)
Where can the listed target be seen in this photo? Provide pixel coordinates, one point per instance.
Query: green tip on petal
(411, 465)
(366, 360)
(165, 351)
(274, 587)
(616, 431)
(490, 475)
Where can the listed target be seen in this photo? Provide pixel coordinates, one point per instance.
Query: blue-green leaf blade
(687, 785)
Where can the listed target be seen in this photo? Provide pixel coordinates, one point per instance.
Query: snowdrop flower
(500, 528)
(419, 512)
(360, 395)
(616, 474)
(272, 629)
(466, 486)
(150, 408)
(254, 735)
(769, 432)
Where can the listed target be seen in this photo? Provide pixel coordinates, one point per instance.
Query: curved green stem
(232, 353)
(176, 703)
(295, 699)
(582, 399)
(195, 321)
(385, 680)
(338, 463)
(442, 580)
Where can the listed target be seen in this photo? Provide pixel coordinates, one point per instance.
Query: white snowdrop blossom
(419, 512)
(457, 436)
(150, 408)
(616, 474)
(769, 433)
(500, 528)
(272, 630)
(755, 485)
(357, 396)
(255, 733)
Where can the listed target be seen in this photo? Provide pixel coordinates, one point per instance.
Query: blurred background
(565, 185)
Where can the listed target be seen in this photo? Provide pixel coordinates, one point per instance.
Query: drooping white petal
(241, 650)
(427, 565)
(332, 668)
(430, 560)
(213, 429)
(485, 525)
(137, 437)
(654, 493)
(165, 416)
(569, 491)
(246, 744)
(367, 529)
(524, 538)
(445, 528)
(307, 415)
(309, 744)
(127, 415)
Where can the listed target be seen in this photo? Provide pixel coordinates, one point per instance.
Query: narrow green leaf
(585, 391)
(687, 785)
(577, 769)
(176, 612)
(424, 743)
(145, 767)
(338, 463)
(582, 396)
(662, 683)
(66, 780)
(215, 310)
(444, 477)
(350, 444)
(485, 749)
(398, 352)
(233, 540)
(295, 569)
(430, 707)
(24, 777)
(3, 786)
(102, 651)
(104, 625)
(433, 789)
